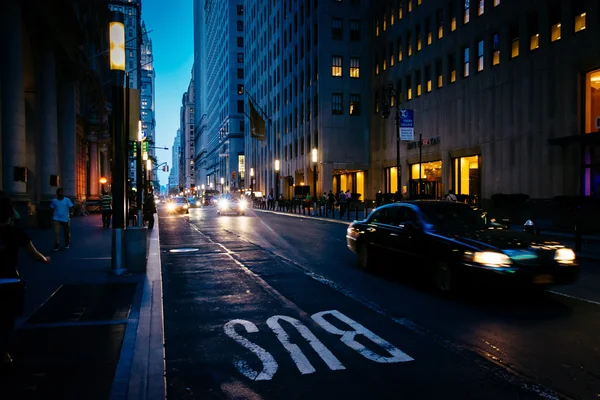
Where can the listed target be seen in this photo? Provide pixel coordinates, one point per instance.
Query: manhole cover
(183, 250)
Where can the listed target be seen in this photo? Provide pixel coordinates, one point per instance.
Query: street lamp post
(119, 175)
(222, 183)
(277, 180)
(252, 180)
(385, 114)
(314, 158)
(138, 175)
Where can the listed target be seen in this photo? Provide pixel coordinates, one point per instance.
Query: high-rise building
(201, 133)
(147, 100)
(307, 76)
(187, 138)
(174, 181)
(219, 53)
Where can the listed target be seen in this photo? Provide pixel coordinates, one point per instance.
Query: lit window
(428, 82)
(400, 10)
(453, 76)
(496, 3)
(419, 2)
(514, 48)
(481, 8)
(495, 49)
(429, 36)
(354, 67)
(399, 50)
(440, 81)
(480, 56)
(534, 41)
(384, 66)
(453, 24)
(452, 67)
(419, 84)
(580, 22)
(555, 32)
(409, 52)
(419, 39)
(409, 5)
(466, 62)
(392, 58)
(408, 88)
(466, 18)
(392, 16)
(336, 66)
(440, 25)
(355, 104)
(377, 28)
(384, 22)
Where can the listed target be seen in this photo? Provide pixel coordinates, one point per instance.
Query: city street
(272, 306)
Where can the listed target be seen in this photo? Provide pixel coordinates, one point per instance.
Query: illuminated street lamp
(119, 175)
(222, 183)
(251, 179)
(276, 179)
(314, 161)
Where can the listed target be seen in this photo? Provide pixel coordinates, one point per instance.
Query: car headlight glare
(243, 205)
(170, 206)
(491, 258)
(185, 206)
(564, 255)
(223, 203)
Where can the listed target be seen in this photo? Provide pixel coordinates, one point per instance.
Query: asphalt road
(266, 306)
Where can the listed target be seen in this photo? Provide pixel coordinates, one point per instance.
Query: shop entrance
(426, 181)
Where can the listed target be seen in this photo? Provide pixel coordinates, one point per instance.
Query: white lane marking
(574, 297)
(269, 364)
(297, 355)
(347, 337)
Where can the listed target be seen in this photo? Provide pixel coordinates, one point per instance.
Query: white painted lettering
(297, 355)
(347, 337)
(269, 364)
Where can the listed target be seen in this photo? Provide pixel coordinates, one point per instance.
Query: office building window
(419, 82)
(392, 15)
(392, 57)
(240, 41)
(466, 62)
(452, 68)
(354, 104)
(439, 22)
(240, 57)
(418, 38)
(240, 89)
(409, 2)
(439, 70)
(400, 9)
(384, 60)
(428, 82)
(384, 22)
(467, 12)
(336, 65)
(354, 67)
(336, 103)
(409, 43)
(453, 18)
(514, 38)
(399, 49)
(496, 3)
(240, 106)
(377, 27)
(240, 26)
(495, 49)
(240, 73)
(534, 32)
(240, 9)
(354, 30)
(409, 88)
(580, 14)
(481, 8)
(555, 21)
(480, 59)
(337, 30)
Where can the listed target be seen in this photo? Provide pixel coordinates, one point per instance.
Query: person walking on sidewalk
(106, 207)
(61, 217)
(12, 288)
(149, 209)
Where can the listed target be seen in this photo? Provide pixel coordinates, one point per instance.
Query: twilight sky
(172, 26)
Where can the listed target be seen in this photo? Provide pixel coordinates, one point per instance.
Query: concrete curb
(337, 221)
(148, 372)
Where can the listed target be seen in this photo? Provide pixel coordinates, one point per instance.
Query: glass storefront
(426, 180)
(591, 173)
(466, 179)
(349, 180)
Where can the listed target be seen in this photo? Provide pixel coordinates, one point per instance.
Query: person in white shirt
(451, 196)
(62, 208)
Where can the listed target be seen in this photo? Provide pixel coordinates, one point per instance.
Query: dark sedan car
(232, 204)
(455, 245)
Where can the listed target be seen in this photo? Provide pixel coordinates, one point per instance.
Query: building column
(326, 176)
(48, 119)
(68, 140)
(13, 102)
(94, 176)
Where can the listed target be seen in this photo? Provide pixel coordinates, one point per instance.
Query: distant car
(192, 201)
(231, 204)
(210, 197)
(178, 205)
(456, 245)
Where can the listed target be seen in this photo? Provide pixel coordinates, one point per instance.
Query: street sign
(407, 125)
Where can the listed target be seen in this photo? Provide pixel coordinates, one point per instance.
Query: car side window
(384, 216)
(405, 214)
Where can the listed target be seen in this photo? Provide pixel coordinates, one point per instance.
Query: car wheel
(443, 278)
(364, 255)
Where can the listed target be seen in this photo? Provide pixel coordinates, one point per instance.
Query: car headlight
(491, 258)
(186, 206)
(223, 203)
(170, 206)
(564, 255)
(243, 205)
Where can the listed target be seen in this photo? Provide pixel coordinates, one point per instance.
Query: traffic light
(233, 174)
(165, 168)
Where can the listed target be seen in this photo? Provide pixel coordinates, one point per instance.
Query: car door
(406, 235)
(377, 231)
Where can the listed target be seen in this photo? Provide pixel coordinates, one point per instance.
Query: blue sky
(172, 37)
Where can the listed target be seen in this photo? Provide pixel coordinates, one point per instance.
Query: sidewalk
(87, 333)
(590, 248)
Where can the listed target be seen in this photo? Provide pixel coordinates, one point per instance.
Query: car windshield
(180, 200)
(451, 216)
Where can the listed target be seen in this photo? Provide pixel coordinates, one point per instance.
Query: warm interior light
(277, 165)
(103, 180)
(117, 45)
(251, 171)
(314, 155)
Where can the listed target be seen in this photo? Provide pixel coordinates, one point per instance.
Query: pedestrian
(149, 210)
(61, 217)
(451, 196)
(106, 207)
(12, 288)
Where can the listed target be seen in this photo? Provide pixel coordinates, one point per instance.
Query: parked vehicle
(456, 245)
